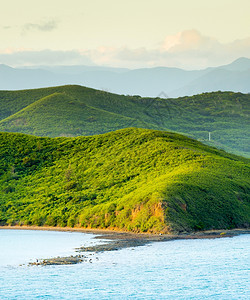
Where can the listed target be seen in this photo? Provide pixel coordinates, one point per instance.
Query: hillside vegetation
(76, 110)
(133, 179)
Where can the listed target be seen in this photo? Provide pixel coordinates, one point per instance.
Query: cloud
(45, 57)
(7, 27)
(188, 40)
(140, 54)
(188, 49)
(122, 57)
(45, 26)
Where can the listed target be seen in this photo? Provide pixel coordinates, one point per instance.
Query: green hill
(132, 179)
(75, 110)
(60, 114)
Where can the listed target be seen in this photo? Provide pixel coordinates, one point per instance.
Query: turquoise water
(184, 269)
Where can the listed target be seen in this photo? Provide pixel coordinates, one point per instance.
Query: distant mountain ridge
(147, 82)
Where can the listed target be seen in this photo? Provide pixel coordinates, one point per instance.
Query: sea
(178, 269)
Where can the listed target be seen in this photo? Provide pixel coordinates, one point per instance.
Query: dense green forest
(75, 110)
(132, 179)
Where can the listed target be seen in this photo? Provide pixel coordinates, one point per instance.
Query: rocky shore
(67, 260)
(121, 240)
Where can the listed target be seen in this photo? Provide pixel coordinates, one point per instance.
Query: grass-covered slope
(59, 114)
(76, 110)
(132, 179)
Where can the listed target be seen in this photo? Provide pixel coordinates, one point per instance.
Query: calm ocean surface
(184, 269)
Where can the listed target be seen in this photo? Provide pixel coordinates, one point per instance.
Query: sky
(190, 34)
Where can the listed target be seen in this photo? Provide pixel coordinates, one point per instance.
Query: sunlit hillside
(133, 179)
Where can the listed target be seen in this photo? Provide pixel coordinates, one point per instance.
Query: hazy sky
(182, 33)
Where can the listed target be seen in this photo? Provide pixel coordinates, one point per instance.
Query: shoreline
(119, 234)
(117, 240)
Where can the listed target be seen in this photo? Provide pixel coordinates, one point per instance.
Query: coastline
(117, 240)
(119, 234)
